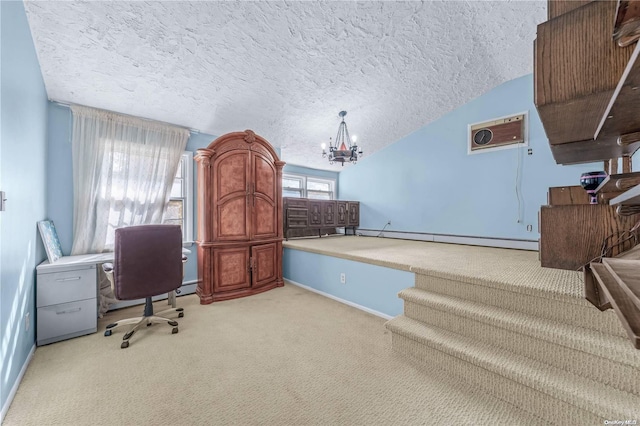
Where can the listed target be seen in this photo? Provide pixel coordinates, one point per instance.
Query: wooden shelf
(624, 307)
(589, 151)
(629, 198)
(615, 283)
(618, 183)
(627, 274)
(621, 116)
(586, 87)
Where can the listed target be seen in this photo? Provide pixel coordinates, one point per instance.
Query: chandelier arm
(339, 136)
(351, 151)
(348, 138)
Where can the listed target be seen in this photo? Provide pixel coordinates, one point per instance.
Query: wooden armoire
(239, 217)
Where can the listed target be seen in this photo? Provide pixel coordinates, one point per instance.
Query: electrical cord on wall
(383, 228)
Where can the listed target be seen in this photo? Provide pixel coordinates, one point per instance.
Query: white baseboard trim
(346, 302)
(15, 386)
(454, 239)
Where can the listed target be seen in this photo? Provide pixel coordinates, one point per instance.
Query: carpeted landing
(497, 320)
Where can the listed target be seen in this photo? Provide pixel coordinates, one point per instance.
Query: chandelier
(344, 149)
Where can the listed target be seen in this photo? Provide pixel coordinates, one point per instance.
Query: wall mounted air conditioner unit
(499, 133)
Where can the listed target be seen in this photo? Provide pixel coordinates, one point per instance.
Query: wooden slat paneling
(572, 236)
(556, 8)
(577, 68)
(567, 195)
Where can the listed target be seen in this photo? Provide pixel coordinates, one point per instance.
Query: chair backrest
(147, 261)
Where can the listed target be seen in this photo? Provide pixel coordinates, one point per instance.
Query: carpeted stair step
(602, 357)
(562, 308)
(551, 393)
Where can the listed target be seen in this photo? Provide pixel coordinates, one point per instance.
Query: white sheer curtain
(123, 169)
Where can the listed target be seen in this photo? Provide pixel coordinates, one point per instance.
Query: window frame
(186, 160)
(305, 179)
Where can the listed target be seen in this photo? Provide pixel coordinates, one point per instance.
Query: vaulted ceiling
(283, 69)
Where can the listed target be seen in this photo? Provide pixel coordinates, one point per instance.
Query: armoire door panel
(232, 196)
(264, 175)
(232, 223)
(265, 266)
(232, 174)
(265, 220)
(265, 210)
(231, 269)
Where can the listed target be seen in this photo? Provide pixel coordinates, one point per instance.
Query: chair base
(148, 318)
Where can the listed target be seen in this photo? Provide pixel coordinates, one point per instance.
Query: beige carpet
(284, 357)
(520, 270)
(498, 320)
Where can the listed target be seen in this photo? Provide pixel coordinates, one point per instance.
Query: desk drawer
(59, 322)
(62, 287)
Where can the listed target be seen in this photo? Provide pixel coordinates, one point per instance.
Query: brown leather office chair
(147, 262)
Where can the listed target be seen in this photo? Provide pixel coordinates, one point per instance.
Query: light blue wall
(60, 179)
(426, 182)
(371, 286)
(22, 176)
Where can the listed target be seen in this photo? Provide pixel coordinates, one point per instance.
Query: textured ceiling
(284, 69)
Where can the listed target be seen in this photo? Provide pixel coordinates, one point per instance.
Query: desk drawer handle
(69, 279)
(68, 311)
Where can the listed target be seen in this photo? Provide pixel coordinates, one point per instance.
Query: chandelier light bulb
(323, 146)
(354, 138)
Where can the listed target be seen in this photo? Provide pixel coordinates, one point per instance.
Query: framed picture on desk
(50, 239)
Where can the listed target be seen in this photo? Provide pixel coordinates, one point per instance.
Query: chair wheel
(107, 333)
(173, 323)
(174, 330)
(148, 324)
(124, 345)
(181, 315)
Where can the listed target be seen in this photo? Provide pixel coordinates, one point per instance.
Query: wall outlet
(27, 321)
(529, 228)
(343, 278)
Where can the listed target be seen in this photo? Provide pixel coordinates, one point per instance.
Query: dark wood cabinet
(239, 217)
(308, 217)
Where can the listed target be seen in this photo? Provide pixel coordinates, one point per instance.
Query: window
(301, 186)
(179, 209)
(292, 186)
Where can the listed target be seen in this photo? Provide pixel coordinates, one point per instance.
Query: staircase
(554, 356)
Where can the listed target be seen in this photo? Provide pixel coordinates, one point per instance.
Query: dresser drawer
(297, 218)
(66, 320)
(67, 286)
(295, 202)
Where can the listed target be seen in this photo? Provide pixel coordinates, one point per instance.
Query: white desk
(67, 296)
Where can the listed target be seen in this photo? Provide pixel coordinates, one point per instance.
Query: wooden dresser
(307, 217)
(239, 217)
